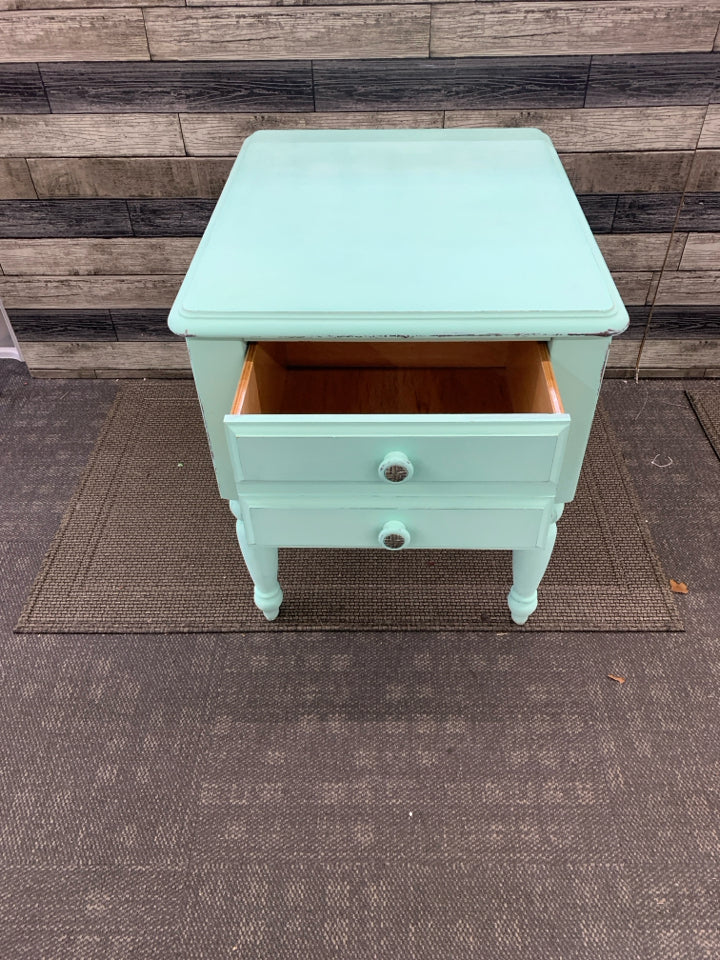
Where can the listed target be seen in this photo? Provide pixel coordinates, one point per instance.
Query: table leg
(529, 567)
(262, 565)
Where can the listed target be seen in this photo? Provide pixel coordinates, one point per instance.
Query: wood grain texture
(112, 257)
(64, 218)
(36, 35)
(171, 87)
(646, 213)
(690, 355)
(633, 286)
(603, 26)
(84, 4)
(705, 173)
(15, 180)
(633, 128)
(91, 136)
(634, 251)
(21, 89)
(106, 359)
(450, 83)
(599, 211)
(236, 33)
(623, 354)
(141, 325)
(41, 325)
(637, 172)
(653, 80)
(702, 252)
(146, 177)
(680, 323)
(710, 135)
(169, 218)
(87, 293)
(690, 287)
(223, 134)
(700, 212)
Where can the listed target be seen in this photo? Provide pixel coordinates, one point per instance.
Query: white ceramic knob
(395, 468)
(394, 535)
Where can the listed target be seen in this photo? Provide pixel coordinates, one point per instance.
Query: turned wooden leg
(529, 567)
(262, 565)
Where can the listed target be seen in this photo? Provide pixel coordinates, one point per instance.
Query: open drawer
(397, 413)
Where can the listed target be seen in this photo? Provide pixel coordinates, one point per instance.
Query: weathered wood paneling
(450, 83)
(116, 257)
(653, 79)
(710, 136)
(36, 35)
(690, 287)
(171, 87)
(85, 4)
(141, 325)
(85, 293)
(91, 136)
(106, 359)
(683, 355)
(705, 173)
(169, 218)
(237, 33)
(702, 252)
(701, 212)
(21, 89)
(145, 177)
(599, 211)
(638, 172)
(39, 325)
(636, 251)
(223, 134)
(64, 218)
(634, 128)
(646, 213)
(603, 26)
(15, 182)
(633, 287)
(680, 323)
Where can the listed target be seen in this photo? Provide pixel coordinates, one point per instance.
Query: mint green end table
(398, 338)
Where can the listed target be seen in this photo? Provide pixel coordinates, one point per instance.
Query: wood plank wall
(119, 120)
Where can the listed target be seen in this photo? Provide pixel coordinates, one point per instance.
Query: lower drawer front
(497, 528)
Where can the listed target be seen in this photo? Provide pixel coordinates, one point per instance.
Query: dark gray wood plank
(142, 325)
(501, 82)
(682, 323)
(169, 218)
(646, 212)
(700, 212)
(654, 79)
(171, 87)
(37, 325)
(599, 209)
(21, 89)
(64, 218)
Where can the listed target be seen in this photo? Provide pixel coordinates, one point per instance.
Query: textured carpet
(705, 399)
(148, 546)
(360, 796)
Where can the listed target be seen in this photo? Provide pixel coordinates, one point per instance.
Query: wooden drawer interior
(410, 377)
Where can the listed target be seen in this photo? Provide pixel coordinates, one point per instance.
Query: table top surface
(397, 232)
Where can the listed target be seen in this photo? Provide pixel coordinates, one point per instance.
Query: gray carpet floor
(357, 795)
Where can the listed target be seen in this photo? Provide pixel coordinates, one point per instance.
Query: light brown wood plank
(623, 353)
(566, 27)
(218, 134)
(638, 172)
(633, 287)
(669, 355)
(146, 177)
(638, 251)
(105, 359)
(710, 135)
(94, 135)
(705, 173)
(686, 287)
(702, 252)
(88, 292)
(15, 182)
(586, 130)
(40, 35)
(277, 34)
(84, 4)
(89, 257)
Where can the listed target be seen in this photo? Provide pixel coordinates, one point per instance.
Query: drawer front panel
(507, 448)
(499, 528)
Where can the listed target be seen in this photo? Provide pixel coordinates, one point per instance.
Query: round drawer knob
(395, 468)
(394, 535)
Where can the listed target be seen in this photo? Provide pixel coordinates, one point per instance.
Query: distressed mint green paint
(398, 234)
